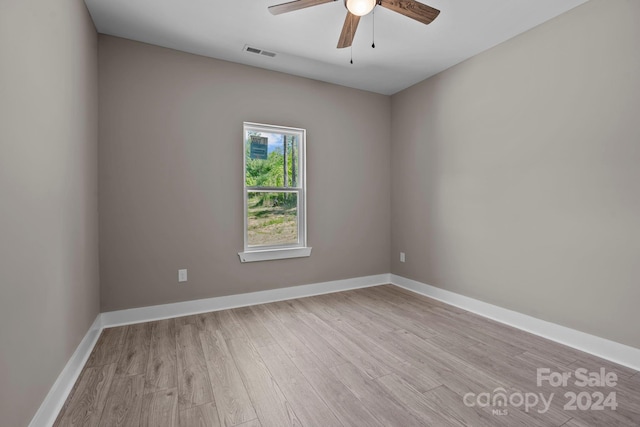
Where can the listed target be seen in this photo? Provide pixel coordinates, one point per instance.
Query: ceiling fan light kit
(360, 7)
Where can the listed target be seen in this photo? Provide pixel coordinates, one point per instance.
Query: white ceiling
(305, 41)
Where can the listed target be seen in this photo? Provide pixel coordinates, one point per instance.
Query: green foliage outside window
(270, 173)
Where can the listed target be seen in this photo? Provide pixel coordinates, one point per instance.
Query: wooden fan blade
(412, 9)
(348, 30)
(295, 5)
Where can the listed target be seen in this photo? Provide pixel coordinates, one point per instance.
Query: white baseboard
(166, 311)
(601, 347)
(52, 404)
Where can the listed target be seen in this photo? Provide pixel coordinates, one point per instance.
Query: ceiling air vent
(258, 51)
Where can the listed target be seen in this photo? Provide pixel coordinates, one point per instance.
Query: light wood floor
(378, 356)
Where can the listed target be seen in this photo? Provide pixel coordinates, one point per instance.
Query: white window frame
(273, 252)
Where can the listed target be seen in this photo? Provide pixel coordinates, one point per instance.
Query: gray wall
(49, 292)
(515, 176)
(170, 175)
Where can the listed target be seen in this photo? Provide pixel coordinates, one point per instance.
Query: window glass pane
(272, 218)
(272, 159)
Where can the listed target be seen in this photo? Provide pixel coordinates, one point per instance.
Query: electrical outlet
(402, 258)
(182, 275)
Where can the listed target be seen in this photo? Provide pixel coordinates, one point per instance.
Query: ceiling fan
(357, 8)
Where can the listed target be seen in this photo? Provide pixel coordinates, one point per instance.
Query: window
(274, 193)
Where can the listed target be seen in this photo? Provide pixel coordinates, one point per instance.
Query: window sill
(271, 254)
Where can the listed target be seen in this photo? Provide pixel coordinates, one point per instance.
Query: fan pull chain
(351, 47)
(373, 37)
